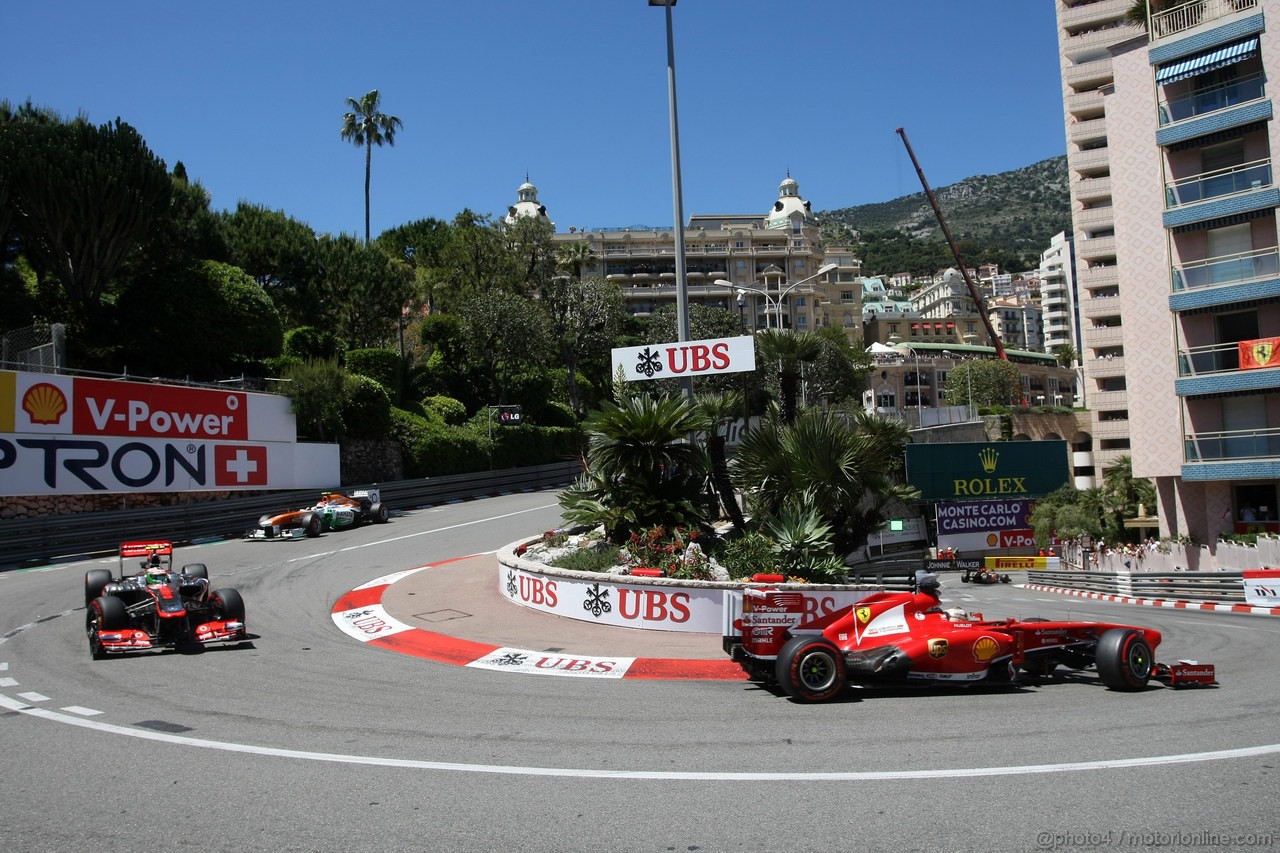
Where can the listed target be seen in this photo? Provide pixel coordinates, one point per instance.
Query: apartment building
(1087, 30)
(1193, 141)
(1058, 303)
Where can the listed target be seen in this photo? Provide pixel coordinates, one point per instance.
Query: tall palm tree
(365, 126)
(720, 409)
(789, 350)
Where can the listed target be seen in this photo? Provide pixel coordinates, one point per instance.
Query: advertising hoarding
(987, 470)
(686, 358)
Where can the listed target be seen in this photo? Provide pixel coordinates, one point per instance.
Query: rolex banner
(997, 470)
(1262, 352)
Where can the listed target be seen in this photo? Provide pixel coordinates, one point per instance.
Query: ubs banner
(997, 470)
(65, 435)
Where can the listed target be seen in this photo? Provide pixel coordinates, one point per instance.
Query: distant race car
(157, 607)
(332, 512)
(893, 638)
(983, 576)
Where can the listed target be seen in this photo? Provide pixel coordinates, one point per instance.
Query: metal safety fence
(1214, 587)
(29, 541)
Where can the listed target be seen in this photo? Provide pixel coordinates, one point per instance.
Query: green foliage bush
(449, 410)
(600, 558)
(749, 554)
(519, 446)
(383, 365)
(309, 342)
(431, 448)
(366, 413)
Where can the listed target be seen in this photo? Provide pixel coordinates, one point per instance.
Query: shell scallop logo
(985, 649)
(44, 403)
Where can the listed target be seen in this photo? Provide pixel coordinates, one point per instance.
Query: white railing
(1227, 269)
(1246, 177)
(1184, 17)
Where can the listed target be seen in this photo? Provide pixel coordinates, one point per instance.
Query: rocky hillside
(996, 218)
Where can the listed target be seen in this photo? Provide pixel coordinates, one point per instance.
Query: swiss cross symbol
(239, 465)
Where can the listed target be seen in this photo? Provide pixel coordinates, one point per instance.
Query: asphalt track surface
(308, 739)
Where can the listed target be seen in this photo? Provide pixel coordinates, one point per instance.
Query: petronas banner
(988, 470)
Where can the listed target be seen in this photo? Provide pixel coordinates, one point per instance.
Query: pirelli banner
(66, 435)
(997, 470)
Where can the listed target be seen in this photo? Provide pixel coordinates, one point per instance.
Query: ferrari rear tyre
(228, 604)
(1123, 659)
(196, 570)
(810, 669)
(314, 526)
(106, 613)
(379, 513)
(94, 581)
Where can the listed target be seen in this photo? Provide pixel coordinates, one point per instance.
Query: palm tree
(720, 409)
(572, 258)
(364, 126)
(789, 350)
(849, 473)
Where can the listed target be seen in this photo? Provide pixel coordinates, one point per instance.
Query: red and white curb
(360, 614)
(1175, 604)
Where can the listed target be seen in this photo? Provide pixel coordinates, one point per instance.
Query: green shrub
(383, 365)
(367, 410)
(749, 554)
(431, 448)
(600, 558)
(308, 342)
(449, 410)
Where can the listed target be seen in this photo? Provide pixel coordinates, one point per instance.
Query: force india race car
(332, 512)
(894, 638)
(157, 607)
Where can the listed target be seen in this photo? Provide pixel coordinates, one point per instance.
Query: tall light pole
(682, 282)
(969, 338)
(742, 288)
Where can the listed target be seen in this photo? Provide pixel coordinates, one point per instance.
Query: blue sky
(249, 96)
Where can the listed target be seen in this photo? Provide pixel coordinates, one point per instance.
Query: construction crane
(974, 293)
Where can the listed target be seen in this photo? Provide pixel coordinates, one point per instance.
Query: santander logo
(44, 403)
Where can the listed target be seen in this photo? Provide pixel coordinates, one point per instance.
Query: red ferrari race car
(332, 512)
(982, 575)
(157, 607)
(894, 638)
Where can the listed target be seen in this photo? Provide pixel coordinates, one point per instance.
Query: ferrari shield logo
(864, 614)
(1262, 352)
(938, 648)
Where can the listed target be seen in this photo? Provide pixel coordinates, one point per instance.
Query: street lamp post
(682, 282)
(969, 338)
(769, 300)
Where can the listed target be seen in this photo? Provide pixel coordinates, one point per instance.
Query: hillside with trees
(1007, 218)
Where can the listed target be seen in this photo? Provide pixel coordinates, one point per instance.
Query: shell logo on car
(985, 648)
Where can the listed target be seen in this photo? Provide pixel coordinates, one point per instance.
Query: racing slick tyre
(810, 669)
(379, 513)
(1123, 659)
(94, 581)
(196, 570)
(106, 613)
(228, 604)
(314, 526)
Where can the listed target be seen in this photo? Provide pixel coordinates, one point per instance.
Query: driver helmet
(956, 614)
(155, 572)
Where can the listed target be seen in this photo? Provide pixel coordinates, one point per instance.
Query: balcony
(1085, 132)
(1218, 183)
(1258, 265)
(1207, 101)
(1097, 278)
(1092, 189)
(1090, 159)
(1096, 248)
(1179, 19)
(1085, 103)
(1208, 360)
(1234, 446)
(1215, 370)
(1102, 337)
(1095, 218)
(1088, 75)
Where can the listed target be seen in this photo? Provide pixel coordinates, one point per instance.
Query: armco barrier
(38, 540)
(1220, 587)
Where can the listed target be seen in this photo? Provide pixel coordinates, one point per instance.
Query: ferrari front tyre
(106, 613)
(810, 669)
(196, 570)
(1123, 659)
(228, 604)
(94, 581)
(314, 526)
